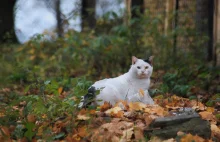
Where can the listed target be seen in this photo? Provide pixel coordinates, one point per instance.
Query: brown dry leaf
(158, 110)
(130, 114)
(92, 111)
(40, 131)
(111, 131)
(190, 137)
(44, 116)
(155, 109)
(5, 131)
(141, 92)
(122, 104)
(215, 130)
(137, 106)
(210, 109)
(120, 114)
(208, 116)
(58, 126)
(115, 112)
(180, 133)
(31, 118)
(60, 90)
(2, 114)
(149, 119)
(127, 135)
(68, 138)
(82, 131)
(75, 138)
(196, 105)
(82, 117)
(105, 106)
(139, 135)
(83, 111)
(169, 140)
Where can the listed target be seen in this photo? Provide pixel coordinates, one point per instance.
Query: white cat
(125, 87)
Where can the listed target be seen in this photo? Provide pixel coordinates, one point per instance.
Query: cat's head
(142, 68)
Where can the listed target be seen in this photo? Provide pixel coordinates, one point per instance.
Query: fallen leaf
(210, 109)
(149, 119)
(155, 109)
(141, 92)
(82, 131)
(169, 140)
(31, 118)
(180, 133)
(105, 106)
(122, 104)
(196, 105)
(138, 134)
(60, 90)
(158, 110)
(5, 131)
(112, 131)
(215, 130)
(82, 117)
(127, 135)
(137, 106)
(208, 116)
(190, 138)
(115, 111)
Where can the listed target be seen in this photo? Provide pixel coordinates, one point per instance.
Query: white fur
(126, 86)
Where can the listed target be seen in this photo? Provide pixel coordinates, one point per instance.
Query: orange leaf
(210, 109)
(82, 132)
(105, 106)
(31, 118)
(60, 89)
(141, 92)
(190, 138)
(215, 130)
(115, 111)
(82, 117)
(122, 104)
(5, 130)
(207, 116)
(137, 106)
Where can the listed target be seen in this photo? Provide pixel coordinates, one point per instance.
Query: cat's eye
(146, 67)
(138, 67)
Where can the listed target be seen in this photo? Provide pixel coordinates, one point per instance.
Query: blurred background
(96, 39)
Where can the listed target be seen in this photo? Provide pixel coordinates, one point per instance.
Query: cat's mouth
(143, 75)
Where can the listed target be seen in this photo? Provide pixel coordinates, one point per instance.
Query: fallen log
(172, 120)
(167, 127)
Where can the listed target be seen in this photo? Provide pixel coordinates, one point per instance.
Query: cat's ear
(134, 60)
(151, 60)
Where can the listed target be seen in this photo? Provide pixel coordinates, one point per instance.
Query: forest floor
(27, 116)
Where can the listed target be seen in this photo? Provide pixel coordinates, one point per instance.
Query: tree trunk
(137, 8)
(204, 23)
(88, 14)
(59, 19)
(7, 32)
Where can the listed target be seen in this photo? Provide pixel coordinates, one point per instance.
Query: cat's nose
(142, 71)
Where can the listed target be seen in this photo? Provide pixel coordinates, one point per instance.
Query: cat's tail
(89, 98)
